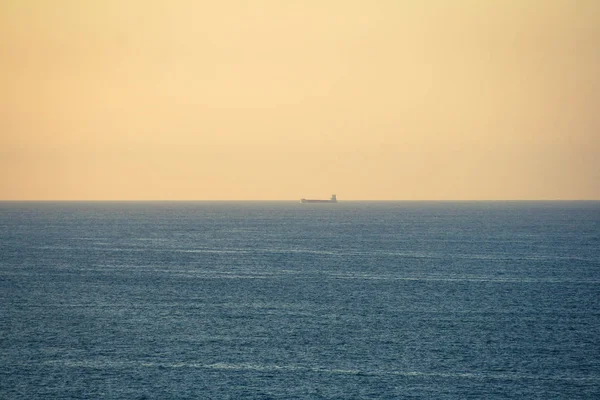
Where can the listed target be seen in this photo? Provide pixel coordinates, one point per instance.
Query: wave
(224, 366)
(343, 253)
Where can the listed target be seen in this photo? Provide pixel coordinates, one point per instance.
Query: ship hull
(317, 201)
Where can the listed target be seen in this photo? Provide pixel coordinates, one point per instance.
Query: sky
(277, 100)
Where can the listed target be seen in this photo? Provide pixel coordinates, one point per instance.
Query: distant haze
(208, 100)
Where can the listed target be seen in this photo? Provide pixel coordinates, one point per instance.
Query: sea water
(266, 300)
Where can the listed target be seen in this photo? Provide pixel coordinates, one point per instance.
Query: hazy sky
(282, 99)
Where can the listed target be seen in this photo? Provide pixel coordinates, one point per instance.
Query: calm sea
(282, 300)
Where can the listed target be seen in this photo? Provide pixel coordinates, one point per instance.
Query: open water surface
(281, 300)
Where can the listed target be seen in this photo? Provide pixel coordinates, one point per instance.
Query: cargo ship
(333, 199)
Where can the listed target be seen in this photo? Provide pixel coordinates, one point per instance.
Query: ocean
(282, 300)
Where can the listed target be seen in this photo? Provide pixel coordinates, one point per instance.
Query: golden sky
(282, 99)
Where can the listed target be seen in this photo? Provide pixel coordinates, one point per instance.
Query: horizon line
(276, 200)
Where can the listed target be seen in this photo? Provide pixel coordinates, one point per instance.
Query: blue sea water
(281, 300)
